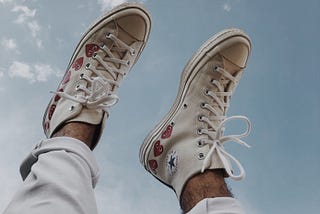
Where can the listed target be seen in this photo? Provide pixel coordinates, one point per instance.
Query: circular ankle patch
(172, 162)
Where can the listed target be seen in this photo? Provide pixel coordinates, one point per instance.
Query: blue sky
(278, 92)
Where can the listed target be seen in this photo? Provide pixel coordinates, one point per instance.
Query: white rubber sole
(214, 45)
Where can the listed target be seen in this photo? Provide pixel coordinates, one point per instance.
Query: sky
(279, 92)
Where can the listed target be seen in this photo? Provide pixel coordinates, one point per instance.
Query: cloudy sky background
(279, 93)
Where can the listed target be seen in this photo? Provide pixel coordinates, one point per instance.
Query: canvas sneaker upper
(103, 57)
(190, 138)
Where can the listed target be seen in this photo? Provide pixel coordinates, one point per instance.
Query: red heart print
(157, 149)
(167, 133)
(91, 49)
(51, 110)
(78, 64)
(47, 126)
(57, 97)
(153, 165)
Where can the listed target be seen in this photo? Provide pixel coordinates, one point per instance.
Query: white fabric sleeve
(59, 176)
(219, 205)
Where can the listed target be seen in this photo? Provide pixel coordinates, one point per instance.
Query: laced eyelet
(203, 105)
(77, 87)
(200, 118)
(94, 55)
(199, 132)
(108, 35)
(81, 76)
(88, 65)
(206, 92)
(201, 156)
(200, 143)
(215, 68)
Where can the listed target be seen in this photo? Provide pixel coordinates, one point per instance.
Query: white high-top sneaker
(190, 138)
(104, 55)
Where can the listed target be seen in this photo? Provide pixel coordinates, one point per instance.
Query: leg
(59, 177)
(60, 173)
(209, 184)
(208, 193)
(185, 150)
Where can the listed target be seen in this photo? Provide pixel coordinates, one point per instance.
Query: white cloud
(27, 16)
(25, 13)
(5, 1)
(9, 44)
(227, 7)
(33, 73)
(34, 28)
(22, 70)
(44, 71)
(108, 4)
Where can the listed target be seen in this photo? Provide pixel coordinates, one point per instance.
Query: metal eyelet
(77, 87)
(200, 143)
(203, 105)
(172, 123)
(81, 76)
(88, 65)
(201, 156)
(94, 55)
(132, 53)
(206, 92)
(108, 35)
(200, 118)
(199, 132)
(128, 63)
(216, 68)
(71, 108)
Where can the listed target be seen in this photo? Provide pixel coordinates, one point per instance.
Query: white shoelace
(216, 138)
(99, 95)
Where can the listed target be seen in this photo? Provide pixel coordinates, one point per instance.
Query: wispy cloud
(9, 44)
(27, 16)
(25, 13)
(20, 69)
(5, 1)
(227, 7)
(33, 73)
(108, 4)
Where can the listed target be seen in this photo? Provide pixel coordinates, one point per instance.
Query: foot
(104, 55)
(189, 139)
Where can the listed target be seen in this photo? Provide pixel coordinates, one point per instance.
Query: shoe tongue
(226, 83)
(117, 51)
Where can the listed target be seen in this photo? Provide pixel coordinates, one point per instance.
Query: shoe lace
(215, 132)
(100, 95)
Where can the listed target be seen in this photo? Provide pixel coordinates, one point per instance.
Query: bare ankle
(209, 184)
(81, 131)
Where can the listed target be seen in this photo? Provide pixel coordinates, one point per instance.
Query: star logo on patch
(172, 162)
